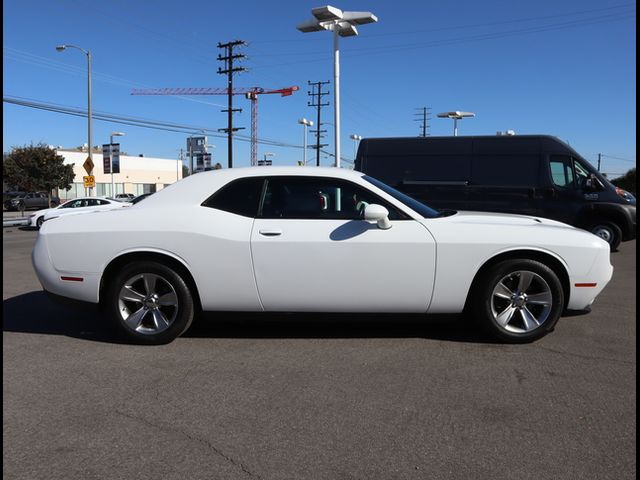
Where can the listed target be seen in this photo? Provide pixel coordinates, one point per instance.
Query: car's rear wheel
(150, 303)
(518, 301)
(608, 231)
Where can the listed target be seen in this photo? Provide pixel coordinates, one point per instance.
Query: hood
(491, 218)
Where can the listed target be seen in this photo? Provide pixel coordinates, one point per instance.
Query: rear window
(241, 197)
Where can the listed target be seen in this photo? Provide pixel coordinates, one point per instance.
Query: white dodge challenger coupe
(306, 239)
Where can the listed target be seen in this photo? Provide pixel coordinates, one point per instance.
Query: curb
(15, 222)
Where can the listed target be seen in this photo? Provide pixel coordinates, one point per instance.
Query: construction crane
(250, 93)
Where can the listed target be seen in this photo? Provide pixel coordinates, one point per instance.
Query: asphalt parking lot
(313, 396)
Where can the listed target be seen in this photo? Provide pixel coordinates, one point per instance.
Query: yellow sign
(88, 165)
(89, 181)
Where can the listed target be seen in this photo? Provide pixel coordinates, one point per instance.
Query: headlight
(624, 194)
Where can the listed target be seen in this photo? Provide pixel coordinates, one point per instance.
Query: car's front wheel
(40, 221)
(150, 303)
(518, 301)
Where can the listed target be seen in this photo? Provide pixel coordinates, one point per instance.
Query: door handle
(274, 232)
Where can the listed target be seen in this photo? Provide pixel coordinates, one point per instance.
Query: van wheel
(608, 231)
(518, 301)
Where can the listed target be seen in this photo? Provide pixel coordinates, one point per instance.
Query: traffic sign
(106, 158)
(88, 165)
(89, 181)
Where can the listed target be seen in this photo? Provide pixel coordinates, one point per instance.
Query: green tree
(185, 171)
(37, 168)
(627, 181)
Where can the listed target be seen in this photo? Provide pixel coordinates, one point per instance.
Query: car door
(313, 252)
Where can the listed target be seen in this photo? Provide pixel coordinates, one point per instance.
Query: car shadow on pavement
(35, 312)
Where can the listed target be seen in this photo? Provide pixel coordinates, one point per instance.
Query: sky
(560, 67)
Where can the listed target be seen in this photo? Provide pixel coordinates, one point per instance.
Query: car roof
(197, 187)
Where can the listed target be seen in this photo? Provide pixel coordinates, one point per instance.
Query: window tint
(561, 171)
(505, 170)
(400, 168)
(321, 198)
(421, 208)
(240, 197)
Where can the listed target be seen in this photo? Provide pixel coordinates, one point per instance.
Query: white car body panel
(343, 265)
(424, 264)
(467, 240)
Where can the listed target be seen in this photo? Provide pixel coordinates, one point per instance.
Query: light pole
(61, 48)
(356, 139)
(113, 134)
(342, 24)
(306, 123)
(456, 116)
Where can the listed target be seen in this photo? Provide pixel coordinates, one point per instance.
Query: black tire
(40, 221)
(157, 323)
(608, 231)
(528, 317)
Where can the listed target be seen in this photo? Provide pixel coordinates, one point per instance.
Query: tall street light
(456, 116)
(306, 123)
(356, 139)
(342, 24)
(113, 134)
(61, 48)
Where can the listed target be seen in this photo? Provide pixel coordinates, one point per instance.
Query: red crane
(250, 93)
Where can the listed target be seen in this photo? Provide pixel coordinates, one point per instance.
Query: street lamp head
(60, 48)
(332, 18)
(327, 12)
(457, 115)
(355, 137)
(118, 134)
(304, 121)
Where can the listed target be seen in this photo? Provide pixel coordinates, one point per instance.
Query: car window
(241, 197)
(74, 204)
(561, 170)
(319, 198)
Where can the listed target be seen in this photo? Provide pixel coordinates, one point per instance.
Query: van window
(401, 169)
(505, 170)
(561, 170)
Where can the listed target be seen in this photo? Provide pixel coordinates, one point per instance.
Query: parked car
(140, 197)
(124, 197)
(526, 174)
(315, 239)
(32, 200)
(77, 205)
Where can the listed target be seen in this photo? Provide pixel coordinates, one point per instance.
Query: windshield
(412, 203)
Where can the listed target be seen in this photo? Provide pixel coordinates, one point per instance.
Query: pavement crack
(193, 438)
(587, 357)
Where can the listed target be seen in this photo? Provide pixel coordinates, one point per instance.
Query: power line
(618, 158)
(135, 121)
(424, 118)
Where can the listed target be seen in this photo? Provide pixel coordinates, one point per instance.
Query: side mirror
(378, 214)
(593, 183)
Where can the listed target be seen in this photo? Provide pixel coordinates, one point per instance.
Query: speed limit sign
(89, 181)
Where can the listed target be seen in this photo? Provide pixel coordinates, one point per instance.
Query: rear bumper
(62, 283)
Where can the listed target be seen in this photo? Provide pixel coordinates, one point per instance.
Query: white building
(137, 175)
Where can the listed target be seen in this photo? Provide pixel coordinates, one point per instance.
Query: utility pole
(316, 101)
(423, 116)
(229, 70)
(599, 159)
